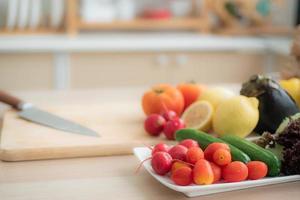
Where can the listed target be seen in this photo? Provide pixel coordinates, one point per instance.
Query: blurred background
(86, 44)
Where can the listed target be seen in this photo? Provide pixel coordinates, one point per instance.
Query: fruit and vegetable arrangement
(202, 159)
(211, 126)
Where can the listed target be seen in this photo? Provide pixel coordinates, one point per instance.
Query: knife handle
(15, 102)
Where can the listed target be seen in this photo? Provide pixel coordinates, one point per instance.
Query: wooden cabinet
(33, 71)
(26, 71)
(92, 70)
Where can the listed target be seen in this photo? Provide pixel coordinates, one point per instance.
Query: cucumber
(205, 139)
(256, 152)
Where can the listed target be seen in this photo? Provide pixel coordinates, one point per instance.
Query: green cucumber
(205, 139)
(255, 152)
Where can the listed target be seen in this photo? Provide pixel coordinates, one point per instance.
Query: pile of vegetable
(285, 144)
(188, 111)
(212, 109)
(279, 119)
(202, 159)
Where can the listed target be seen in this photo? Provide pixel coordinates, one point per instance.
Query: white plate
(198, 190)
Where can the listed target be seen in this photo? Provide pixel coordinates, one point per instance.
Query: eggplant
(275, 104)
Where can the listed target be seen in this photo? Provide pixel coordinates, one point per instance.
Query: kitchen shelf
(39, 31)
(199, 21)
(274, 30)
(148, 24)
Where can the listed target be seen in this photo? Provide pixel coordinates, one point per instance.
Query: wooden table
(102, 177)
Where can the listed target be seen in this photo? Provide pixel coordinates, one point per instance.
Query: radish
(170, 115)
(188, 143)
(178, 152)
(154, 124)
(172, 126)
(161, 162)
(160, 147)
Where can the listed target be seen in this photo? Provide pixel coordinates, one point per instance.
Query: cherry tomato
(194, 154)
(217, 171)
(203, 173)
(182, 176)
(235, 172)
(222, 157)
(256, 170)
(176, 165)
(211, 148)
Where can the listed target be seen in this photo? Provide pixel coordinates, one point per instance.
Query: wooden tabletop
(102, 177)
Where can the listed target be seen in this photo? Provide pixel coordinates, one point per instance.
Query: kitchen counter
(117, 42)
(102, 177)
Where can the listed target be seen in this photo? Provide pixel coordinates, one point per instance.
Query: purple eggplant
(275, 104)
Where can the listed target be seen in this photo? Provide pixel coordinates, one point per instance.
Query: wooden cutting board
(119, 124)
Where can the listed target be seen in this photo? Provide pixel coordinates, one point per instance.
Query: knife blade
(36, 115)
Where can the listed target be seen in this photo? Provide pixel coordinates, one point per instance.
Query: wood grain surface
(120, 126)
(110, 177)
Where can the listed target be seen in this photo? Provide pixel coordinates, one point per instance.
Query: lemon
(292, 86)
(237, 116)
(198, 116)
(216, 95)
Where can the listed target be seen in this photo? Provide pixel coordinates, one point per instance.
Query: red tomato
(191, 92)
(176, 165)
(235, 172)
(194, 154)
(257, 170)
(161, 98)
(211, 148)
(203, 173)
(182, 176)
(222, 157)
(217, 171)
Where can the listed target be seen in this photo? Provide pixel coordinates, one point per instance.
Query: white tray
(198, 190)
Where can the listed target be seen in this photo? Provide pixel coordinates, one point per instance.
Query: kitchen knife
(29, 112)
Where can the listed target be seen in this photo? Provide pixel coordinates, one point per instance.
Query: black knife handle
(15, 102)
